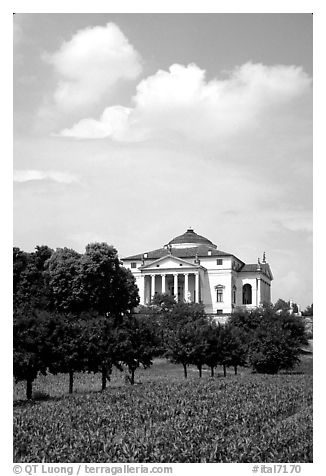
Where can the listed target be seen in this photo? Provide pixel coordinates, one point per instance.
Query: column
(141, 286)
(258, 292)
(186, 287)
(163, 276)
(197, 286)
(175, 284)
(153, 286)
(146, 289)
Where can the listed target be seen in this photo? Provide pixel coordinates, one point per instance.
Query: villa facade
(193, 269)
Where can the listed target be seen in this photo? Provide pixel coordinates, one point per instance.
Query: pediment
(170, 262)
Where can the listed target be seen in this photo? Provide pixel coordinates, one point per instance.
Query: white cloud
(90, 64)
(180, 102)
(32, 175)
(113, 123)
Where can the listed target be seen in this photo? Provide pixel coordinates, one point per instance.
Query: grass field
(165, 418)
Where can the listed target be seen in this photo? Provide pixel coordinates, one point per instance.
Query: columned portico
(183, 286)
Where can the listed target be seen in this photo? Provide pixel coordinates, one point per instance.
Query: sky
(130, 128)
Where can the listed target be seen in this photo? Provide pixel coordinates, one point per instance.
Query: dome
(189, 239)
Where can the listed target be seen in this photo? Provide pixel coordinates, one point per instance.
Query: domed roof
(190, 237)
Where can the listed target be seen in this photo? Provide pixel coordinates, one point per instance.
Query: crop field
(165, 418)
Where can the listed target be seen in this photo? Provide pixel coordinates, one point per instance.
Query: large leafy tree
(274, 338)
(30, 279)
(106, 286)
(31, 300)
(64, 280)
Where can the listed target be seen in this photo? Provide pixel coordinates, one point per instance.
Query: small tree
(101, 346)
(185, 335)
(212, 357)
(30, 348)
(135, 343)
(309, 311)
(67, 346)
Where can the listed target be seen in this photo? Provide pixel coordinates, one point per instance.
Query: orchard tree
(232, 349)
(30, 346)
(185, 332)
(180, 346)
(199, 351)
(67, 346)
(212, 357)
(135, 343)
(101, 346)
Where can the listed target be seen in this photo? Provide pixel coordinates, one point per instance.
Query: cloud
(113, 123)
(90, 64)
(32, 175)
(181, 103)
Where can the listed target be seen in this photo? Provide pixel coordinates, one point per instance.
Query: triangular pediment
(170, 262)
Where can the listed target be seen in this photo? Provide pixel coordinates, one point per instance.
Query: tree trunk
(235, 370)
(132, 378)
(104, 374)
(71, 381)
(224, 370)
(185, 370)
(29, 389)
(212, 371)
(199, 369)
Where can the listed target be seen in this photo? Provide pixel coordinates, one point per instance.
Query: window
(219, 295)
(134, 265)
(219, 311)
(234, 292)
(247, 294)
(219, 261)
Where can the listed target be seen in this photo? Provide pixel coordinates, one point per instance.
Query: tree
(309, 311)
(163, 301)
(64, 280)
(30, 350)
(185, 333)
(180, 346)
(135, 343)
(276, 343)
(106, 286)
(102, 347)
(31, 287)
(67, 345)
(281, 305)
(232, 350)
(273, 337)
(212, 357)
